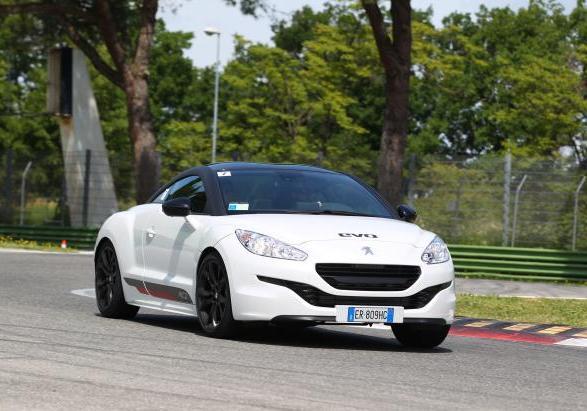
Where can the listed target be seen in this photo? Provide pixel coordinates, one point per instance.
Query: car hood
(302, 228)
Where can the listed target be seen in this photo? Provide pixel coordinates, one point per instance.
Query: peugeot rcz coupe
(232, 243)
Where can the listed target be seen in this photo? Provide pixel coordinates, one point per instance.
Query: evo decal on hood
(301, 228)
(359, 235)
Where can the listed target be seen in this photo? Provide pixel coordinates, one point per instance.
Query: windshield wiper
(329, 212)
(315, 212)
(340, 212)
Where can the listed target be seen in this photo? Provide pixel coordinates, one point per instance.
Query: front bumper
(255, 299)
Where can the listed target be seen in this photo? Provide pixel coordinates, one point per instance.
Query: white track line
(24, 251)
(85, 292)
(573, 342)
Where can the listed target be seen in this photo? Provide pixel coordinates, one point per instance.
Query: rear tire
(213, 302)
(420, 335)
(109, 293)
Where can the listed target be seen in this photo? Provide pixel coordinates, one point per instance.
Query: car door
(171, 247)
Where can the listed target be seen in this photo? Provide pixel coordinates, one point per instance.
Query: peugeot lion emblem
(367, 250)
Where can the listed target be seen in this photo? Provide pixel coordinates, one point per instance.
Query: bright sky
(196, 15)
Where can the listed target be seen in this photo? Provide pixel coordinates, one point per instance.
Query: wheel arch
(100, 244)
(208, 250)
(118, 230)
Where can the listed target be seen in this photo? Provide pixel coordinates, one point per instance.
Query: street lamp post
(211, 31)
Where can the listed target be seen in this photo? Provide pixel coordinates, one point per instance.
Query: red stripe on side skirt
(162, 294)
(142, 290)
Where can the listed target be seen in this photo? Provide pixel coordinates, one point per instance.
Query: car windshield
(297, 192)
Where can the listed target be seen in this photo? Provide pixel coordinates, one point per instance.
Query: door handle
(151, 232)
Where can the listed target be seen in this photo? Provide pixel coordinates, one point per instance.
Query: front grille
(319, 298)
(369, 277)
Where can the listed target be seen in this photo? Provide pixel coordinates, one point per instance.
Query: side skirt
(160, 291)
(166, 309)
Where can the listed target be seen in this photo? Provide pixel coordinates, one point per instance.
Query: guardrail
(537, 264)
(81, 238)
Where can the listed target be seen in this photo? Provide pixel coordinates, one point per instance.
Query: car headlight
(436, 252)
(268, 246)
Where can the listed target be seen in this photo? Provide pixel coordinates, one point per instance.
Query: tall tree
(126, 29)
(91, 24)
(395, 56)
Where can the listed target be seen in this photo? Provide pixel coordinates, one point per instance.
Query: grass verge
(530, 310)
(523, 278)
(7, 242)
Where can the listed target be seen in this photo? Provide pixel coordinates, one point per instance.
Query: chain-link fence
(74, 189)
(489, 200)
(523, 202)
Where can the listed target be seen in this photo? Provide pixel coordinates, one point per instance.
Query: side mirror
(177, 207)
(407, 213)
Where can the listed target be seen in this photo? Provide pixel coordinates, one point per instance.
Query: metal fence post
(575, 212)
(23, 191)
(507, 180)
(63, 203)
(86, 200)
(412, 180)
(516, 200)
(456, 218)
(8, 186)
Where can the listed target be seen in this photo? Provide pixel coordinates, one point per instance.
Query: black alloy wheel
(109, 293)
(213, 298)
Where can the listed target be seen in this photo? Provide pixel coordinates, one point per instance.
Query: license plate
(362, 314)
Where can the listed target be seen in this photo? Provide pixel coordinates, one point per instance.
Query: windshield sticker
(238, 206)
(223, 173)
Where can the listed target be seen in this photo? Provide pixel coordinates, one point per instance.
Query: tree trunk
(395, 57)
(146, 160)
(394, 138)
(130, 71)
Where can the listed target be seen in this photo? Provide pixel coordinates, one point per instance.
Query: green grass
(39, 211)
(7, 242)
(523, 278)
(530, 310)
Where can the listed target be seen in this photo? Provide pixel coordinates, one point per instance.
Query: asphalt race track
(56, 353)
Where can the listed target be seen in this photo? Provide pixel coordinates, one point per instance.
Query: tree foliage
(498, 80)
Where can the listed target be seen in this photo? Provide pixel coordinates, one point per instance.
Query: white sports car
(237, 242)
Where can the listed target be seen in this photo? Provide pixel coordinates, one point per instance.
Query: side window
(162, 197)
(190, 187)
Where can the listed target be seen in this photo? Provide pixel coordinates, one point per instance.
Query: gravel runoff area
(57, 353)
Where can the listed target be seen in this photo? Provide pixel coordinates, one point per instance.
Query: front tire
(420, 335)
(213, 301)
(109, 293)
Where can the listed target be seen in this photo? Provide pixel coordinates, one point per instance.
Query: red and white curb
(543, 334)
(574, 342)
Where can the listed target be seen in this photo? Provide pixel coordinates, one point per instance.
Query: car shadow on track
(323, 337)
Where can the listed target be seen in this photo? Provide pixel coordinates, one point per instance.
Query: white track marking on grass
(541, 296)
(574, 342)
(85, 292)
